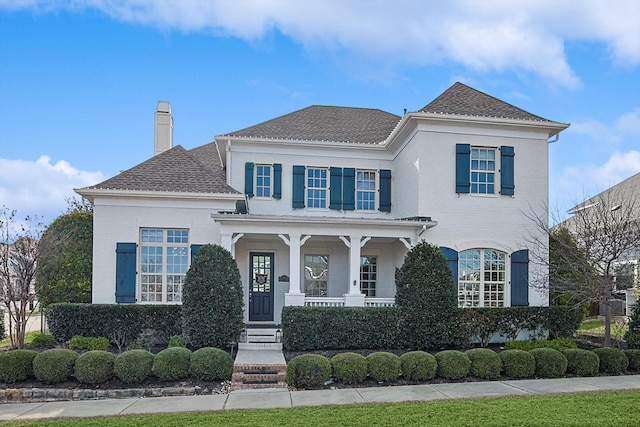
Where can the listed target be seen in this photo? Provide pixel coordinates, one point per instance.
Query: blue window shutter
(125, 273)
(463, 168)
(385, 191)
(507, 184)
(520, 278)
(194, 251)
(349, 189)
(277, 181)
(452, 259)
(248, 179)
(335, 190)
(298, 187)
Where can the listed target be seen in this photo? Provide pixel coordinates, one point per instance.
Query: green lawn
(589, 409)
(27, 339)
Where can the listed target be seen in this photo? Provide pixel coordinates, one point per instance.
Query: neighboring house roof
(175, 170)
(628, 190)
(462, 100)
(322, 123)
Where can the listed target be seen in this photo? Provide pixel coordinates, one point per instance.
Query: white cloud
(629, 122)
(39, 188)
(489, 35)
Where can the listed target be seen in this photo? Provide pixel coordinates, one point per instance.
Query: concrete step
(260, 346)
(250, 376)
(260, 335)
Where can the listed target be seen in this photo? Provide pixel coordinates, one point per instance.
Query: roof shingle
(323, 123)
(463, 100)
(175, 170)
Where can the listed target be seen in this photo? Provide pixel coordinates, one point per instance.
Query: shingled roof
(175, 170)
(323, 123)
(462, 100)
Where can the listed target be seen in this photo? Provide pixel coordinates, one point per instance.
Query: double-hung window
(316, 275)
(368, 275)
(264, 181)
(317, 188)
(163, 264)
(366, 190)
(481, 278)
(483, 170)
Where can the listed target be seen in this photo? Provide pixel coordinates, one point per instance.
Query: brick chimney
(163, 128)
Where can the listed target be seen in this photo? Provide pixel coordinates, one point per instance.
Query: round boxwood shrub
(550, 363)
(418, 366)
(518, 363)
(485, 363)
(349, 368)
(16, 365)
(581, 362)
(210, 363)
(308, 371)
(40, 340)
(94, 367)
(613, 361)
(452, 364)
(633, 355)
(172, 363)
(133, 366)
(383, 366)
(54, 365)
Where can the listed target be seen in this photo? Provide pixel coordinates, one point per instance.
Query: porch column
(228, 241)
(295, 296)
(354, 297)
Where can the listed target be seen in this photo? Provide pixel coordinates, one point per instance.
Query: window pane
(163, 264)
(368, 275)
(481, 278)
(316, 268)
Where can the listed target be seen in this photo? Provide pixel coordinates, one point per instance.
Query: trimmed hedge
(485, 363)
(133, 366)
(452, 364)
(384, 366)
(16, 365)
(55, 365)
(339, 328)
(581, 362)
(550, 363)
(380, 328)
(518, 363)
(613, 361)
(418, 366)
(349, 368)
(633, 355)
(172, 363)
(308, 371)
(79, 342)
(112, 320)
(94, 367)
(556, 344)
(210, 363)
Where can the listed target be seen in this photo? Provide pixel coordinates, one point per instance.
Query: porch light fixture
(278, 336)
(243, 335)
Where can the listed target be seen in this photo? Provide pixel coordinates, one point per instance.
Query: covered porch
(321, 262)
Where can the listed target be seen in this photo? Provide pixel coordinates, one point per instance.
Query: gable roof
(627, 190)
(175, 170)
(462, 100)
(323, 123)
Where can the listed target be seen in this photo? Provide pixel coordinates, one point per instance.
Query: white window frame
(310, 199)
(482, 167)
(369, 279)
(160, 243)
(313, 283)
(481, 281)
(372, 206)
(258, 186)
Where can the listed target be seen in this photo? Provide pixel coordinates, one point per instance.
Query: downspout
(229, 163)
(554, 140)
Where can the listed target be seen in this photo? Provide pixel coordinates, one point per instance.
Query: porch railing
(339, 302)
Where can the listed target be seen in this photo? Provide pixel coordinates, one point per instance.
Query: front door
(261, 286)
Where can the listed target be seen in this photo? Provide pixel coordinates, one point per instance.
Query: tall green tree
(426, 295)
(65, 259)
(212, 299)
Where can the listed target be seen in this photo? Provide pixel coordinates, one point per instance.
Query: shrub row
(131, 367)
(313, 370)
(556, 344)
(117, 322)
(343, 328)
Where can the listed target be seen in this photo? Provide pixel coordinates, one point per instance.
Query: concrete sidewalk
(282, 398)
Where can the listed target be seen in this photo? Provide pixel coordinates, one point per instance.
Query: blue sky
(80, 79)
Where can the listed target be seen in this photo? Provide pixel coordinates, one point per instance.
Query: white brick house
(320, 206)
